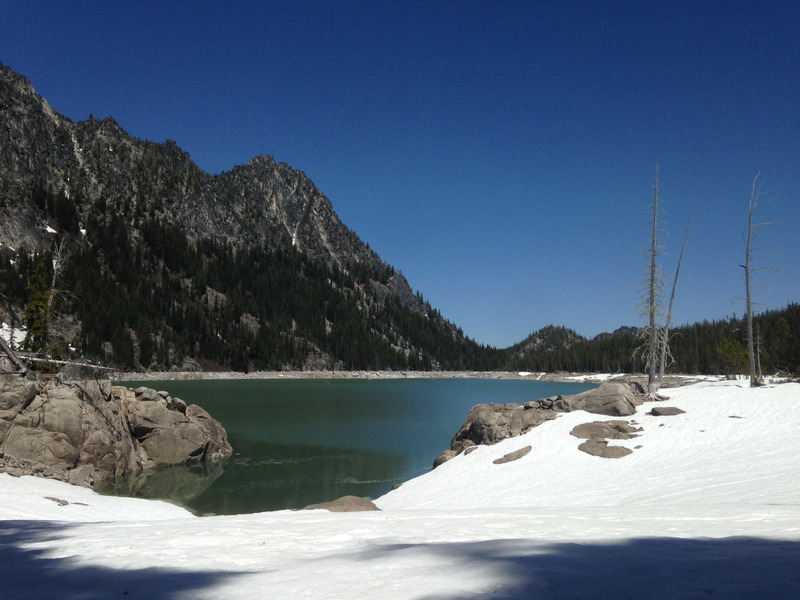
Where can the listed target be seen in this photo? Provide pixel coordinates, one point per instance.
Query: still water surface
(300, 442)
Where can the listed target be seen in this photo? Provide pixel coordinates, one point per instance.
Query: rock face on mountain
(86, 432)
(256, 254)
(97, 159)
(491, 423)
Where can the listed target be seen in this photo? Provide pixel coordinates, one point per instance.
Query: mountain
(547, 339)
(123, 251)
(145, 261)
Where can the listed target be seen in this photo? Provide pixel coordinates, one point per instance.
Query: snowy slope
(707, 506)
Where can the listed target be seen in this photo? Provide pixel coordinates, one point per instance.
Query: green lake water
(300, 442)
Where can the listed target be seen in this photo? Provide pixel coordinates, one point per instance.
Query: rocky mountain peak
(144, 214)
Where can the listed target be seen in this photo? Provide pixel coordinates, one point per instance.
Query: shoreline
(221, 375)
(558, 377)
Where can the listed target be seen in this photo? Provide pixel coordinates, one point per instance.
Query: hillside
(165, 266)
(123, 251)
(700, 348)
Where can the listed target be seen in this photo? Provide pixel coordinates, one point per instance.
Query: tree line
(707, 348)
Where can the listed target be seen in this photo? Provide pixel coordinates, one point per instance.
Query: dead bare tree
(652, 303)
(665, 353)
(749, 235)
(60, 254)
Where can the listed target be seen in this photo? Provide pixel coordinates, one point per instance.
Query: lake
(299, 442)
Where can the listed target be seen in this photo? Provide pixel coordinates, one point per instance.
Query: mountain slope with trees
(123, 251)
(710, 347)
(250, 269)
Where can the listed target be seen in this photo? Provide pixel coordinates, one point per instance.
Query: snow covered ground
(707, 506)
(19, 334)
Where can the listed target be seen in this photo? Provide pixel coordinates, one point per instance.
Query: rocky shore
(87, 431)
(488, 424)
(561, 376)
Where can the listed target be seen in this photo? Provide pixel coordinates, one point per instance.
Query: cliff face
(141, 219)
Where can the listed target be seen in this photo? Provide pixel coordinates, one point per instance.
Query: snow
(49, 229)
(19, 334)
(707, 506)
(598, 377)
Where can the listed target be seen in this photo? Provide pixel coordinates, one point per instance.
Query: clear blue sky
(500, 154)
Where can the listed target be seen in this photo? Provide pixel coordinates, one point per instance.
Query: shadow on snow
(653, 568)
(29, 573)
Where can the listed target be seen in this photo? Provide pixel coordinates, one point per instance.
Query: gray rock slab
(345, 504)
(512, 456)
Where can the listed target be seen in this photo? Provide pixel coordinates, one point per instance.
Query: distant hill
(708, 347)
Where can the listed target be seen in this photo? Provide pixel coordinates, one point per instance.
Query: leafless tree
(752, 229)
(652, 286)
(60, 254)
(665, 353)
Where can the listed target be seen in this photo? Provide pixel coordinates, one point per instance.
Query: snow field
(707, 506)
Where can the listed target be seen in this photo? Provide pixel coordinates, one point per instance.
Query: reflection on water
(268, 476)
(181, 485)
(302, 442)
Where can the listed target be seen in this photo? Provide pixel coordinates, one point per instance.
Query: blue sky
(500, 154)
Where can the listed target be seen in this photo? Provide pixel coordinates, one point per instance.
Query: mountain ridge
(166, 266)
(88, 183)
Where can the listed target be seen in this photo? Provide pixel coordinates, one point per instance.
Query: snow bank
(706, 506)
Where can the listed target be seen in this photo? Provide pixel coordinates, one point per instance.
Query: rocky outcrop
(601, 448)
(491, 423)
(89, 431)
(609, 430)
(666, 411)
(512, 456)
(612, 399)
(599, 432)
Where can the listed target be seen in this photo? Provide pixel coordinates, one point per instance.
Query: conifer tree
(36, 312)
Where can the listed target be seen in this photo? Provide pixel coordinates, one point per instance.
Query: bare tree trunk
(665, 333)
(59, 260)
(755, 380)
(652, 385)
(758, 354)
